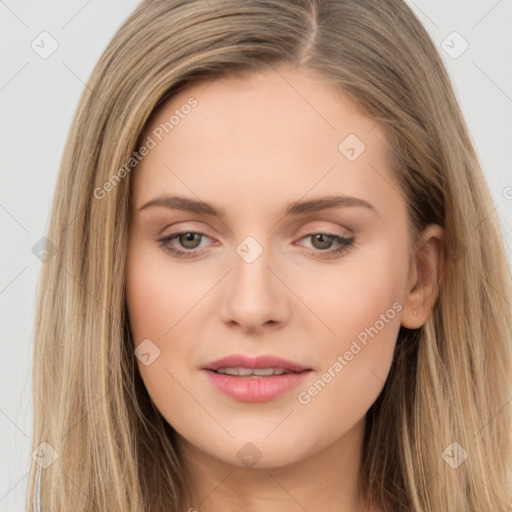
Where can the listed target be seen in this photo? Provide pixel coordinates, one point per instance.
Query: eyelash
(346, 245)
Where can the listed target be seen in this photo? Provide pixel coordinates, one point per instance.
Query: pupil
(327, 240)
(189, 237)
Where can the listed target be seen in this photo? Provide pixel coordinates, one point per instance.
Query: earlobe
(425, 278)
(413, 318)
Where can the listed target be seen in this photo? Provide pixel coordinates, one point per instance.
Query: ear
(425, 277)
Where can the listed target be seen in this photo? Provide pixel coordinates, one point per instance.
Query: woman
(277, 285)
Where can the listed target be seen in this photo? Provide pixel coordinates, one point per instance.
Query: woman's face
(269, 264)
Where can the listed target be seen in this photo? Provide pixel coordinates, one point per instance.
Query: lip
(258, 363)
(255, 388)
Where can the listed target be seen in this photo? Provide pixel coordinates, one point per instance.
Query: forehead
(262, 103)
(274, 132)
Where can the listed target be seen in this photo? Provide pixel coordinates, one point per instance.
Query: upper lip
(260, 362)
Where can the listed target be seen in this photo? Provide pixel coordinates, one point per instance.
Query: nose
(252, 295)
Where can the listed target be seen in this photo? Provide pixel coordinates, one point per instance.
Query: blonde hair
(450, 380)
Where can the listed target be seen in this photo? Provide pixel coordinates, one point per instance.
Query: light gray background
(38, 98)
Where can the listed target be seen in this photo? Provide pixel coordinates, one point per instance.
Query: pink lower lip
(255, 389)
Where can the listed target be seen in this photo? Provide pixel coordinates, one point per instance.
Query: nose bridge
(251, 273)
(253, 296)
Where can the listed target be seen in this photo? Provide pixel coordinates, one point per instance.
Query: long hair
(438, 438)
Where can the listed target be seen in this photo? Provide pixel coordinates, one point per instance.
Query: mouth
(259, 379)
(242, 365)
(253, 372)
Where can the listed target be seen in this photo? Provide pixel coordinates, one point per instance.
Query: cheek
(159, 294)
(163, 301)
(352, 296)
(361, 302)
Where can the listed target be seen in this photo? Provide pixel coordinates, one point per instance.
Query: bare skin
(251, 147)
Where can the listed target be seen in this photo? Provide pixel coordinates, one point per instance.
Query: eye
(189, 240)
(323, 241)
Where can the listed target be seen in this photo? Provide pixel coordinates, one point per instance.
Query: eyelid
(347, 233)
(184, 226)
(326, 226)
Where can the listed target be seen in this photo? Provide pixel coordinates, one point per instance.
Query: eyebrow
(295, 208)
